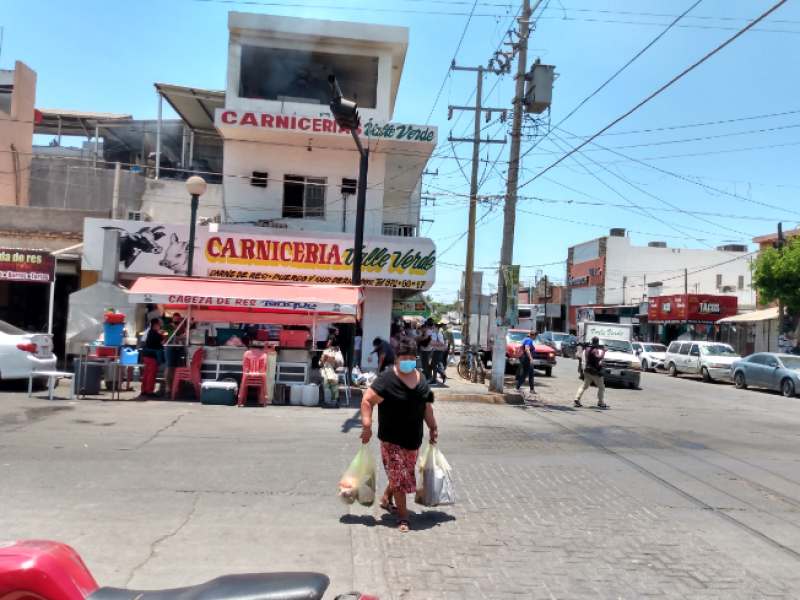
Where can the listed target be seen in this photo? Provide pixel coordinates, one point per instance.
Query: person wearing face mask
(404, 403)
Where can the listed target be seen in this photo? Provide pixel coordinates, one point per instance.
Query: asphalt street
(679, 490)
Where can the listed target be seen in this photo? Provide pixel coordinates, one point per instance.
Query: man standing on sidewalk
(593, 372)
(425, 350)
(526, 361)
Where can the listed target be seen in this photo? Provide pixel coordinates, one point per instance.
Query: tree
(776, 276)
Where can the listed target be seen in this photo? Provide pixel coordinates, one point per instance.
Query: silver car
(770, 370)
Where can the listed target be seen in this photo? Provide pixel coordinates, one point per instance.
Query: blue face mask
(406, 366)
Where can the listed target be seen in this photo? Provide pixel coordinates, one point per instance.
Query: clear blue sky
(104, 55)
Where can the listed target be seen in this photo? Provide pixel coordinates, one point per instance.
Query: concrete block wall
(376, 321)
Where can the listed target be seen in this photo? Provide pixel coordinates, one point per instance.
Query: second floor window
(303, 197)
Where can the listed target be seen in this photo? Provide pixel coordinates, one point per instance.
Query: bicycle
(470, 366)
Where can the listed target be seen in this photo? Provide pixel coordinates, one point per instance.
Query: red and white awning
(246, 297)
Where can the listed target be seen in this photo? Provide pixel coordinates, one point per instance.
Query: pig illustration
(176, 256)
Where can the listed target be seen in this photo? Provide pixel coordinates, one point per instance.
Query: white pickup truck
(620, 363)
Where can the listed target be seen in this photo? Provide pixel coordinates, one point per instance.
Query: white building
(288, 172)
(611, 277)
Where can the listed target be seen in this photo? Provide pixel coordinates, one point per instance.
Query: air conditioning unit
(138, 215)
(727, 289)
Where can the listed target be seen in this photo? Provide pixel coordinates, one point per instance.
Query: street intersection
(679, 490)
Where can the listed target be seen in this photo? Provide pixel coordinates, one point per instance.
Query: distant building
(611, 280)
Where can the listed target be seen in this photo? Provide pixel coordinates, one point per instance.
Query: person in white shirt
(439, 345)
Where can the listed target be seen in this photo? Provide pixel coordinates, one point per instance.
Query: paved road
(679, 490)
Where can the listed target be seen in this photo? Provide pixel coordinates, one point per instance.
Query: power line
(618, 193)
(664, 87)
(725, 121)
(455, 54)
(645, 192)
(627, 64)
(708, 187)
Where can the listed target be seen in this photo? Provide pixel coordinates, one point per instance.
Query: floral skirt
(399, 464)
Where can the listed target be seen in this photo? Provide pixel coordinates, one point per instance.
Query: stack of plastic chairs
(254, 375)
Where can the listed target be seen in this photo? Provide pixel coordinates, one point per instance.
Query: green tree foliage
(776, 275)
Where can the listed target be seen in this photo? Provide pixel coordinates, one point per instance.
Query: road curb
(484, 398)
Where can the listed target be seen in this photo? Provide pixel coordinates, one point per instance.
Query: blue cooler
(224, 393)
(129, 356)
(112, 333)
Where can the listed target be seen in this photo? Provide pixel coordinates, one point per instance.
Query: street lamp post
(346, 114)
(196, 186)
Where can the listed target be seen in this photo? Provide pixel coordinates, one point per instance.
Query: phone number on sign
(251, 276)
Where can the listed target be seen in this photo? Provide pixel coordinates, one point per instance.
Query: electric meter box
(539, 88)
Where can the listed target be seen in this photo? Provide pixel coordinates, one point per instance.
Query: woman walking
(404, 402)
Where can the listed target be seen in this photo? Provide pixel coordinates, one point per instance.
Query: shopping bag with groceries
(358, 482)
(436, 478)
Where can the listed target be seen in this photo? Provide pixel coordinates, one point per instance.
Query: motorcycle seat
(253, 586)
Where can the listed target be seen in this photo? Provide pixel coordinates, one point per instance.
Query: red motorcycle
(41, 570)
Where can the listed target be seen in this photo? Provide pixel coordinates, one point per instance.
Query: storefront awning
(767, 314)
(246, 297)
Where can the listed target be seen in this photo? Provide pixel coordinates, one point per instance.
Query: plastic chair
(190, 373)
(254, 367)
(343, 379)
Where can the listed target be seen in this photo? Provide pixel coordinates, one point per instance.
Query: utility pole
(686, 281)
(478, 109)
(510, 212)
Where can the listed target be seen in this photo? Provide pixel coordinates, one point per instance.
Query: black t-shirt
(154, 341)
(388, 360)
(402, 412)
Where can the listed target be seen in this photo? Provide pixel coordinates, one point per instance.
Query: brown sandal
(403, 526)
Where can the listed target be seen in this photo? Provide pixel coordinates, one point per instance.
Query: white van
(712, 360)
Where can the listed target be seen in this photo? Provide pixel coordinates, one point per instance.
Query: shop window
(259, 179)
(301, 76)
(303, 197)
(398, 229)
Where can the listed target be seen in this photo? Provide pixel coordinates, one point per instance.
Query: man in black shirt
(385, 354)
(152, 355)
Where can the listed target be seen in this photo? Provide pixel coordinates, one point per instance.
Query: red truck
(544, 357)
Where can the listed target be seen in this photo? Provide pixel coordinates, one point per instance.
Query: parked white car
(653, 356)
(21, 353)
(712, 360)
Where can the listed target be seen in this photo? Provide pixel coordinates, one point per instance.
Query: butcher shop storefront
(393, 268)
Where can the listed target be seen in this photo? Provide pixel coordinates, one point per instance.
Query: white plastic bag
(438, 486)
(358, 482)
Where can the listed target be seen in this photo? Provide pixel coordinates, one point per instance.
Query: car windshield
(9, 329)
(791, 362)
(654, 348)
(718, 350)
(518, 336)
(617, 345)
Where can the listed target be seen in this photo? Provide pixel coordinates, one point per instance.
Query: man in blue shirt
(526, 360)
